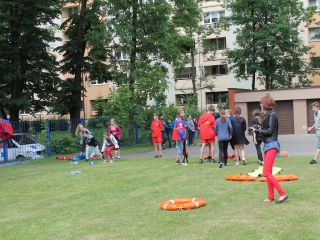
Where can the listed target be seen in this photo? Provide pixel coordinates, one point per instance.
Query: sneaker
(118, 157)
(282, 199)
(244, 162)
(160, 156)
(220, 165)
(178, 162)
(313, 161)
(111, 161)
(237, 163)
(268, 200)
(260, 163)
(184, 164)
(200, 161)
(156, 156)
(105, 161)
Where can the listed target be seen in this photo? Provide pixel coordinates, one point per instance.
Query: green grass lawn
(42, 200)
(140, 148)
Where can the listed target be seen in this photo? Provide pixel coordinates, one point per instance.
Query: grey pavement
(296, 145)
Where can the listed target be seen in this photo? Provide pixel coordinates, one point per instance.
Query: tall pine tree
(28, 71)
(269, 48)
(84, 52)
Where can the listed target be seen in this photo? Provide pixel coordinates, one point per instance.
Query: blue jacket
(223, 129)
(179, 129)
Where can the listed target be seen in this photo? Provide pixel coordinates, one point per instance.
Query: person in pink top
(115, 130)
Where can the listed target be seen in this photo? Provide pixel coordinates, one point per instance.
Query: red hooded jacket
(206, 123)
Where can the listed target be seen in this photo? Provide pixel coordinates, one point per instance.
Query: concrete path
(296, 145)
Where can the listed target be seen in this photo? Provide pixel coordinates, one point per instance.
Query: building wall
(298, 96)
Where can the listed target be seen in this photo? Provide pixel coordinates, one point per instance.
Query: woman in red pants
(269, 133)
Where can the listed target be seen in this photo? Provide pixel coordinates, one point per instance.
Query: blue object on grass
(79, 158)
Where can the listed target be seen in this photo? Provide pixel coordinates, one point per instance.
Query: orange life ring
(240, 178)
(282, 178)
(62, 158)
(182, 204)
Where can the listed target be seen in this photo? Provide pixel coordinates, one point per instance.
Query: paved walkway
(296, 145)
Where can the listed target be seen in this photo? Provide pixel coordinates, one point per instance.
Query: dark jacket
(255, 123)
(269, 129)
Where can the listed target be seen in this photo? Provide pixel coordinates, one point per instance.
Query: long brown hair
(257, 114)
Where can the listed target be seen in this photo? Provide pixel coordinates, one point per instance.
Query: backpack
(6, 131)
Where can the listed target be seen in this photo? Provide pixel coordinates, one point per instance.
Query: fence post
(48, 138)
(137, 133)
(5, 151)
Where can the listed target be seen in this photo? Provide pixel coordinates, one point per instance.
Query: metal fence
(38, 139)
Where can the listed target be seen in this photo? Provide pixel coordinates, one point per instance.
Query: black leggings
(259, 152)
(223, 151)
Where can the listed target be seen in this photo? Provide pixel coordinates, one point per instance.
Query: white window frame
(95, 82)
(212, 15)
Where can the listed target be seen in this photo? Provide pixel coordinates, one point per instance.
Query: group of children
(111, 142)
(228, 129)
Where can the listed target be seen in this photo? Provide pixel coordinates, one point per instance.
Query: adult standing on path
(206, 123)
(115, 130)
(269, 133)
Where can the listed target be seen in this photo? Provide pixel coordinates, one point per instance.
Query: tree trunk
(253, 86)
(132, 68)
(78, 81)
(193, 78)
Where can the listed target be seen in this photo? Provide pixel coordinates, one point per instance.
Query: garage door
(310, 112)
(285, 115)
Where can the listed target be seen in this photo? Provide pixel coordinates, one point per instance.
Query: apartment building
(212, 76)
(312, 38)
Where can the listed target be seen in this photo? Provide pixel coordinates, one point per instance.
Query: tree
(28, 70)
(143, 43)
(84, 52)
(188, 18)
(269, 48)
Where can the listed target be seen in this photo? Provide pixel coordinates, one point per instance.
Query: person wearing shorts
(156, 132)
(316, 109)
(206, 124)
(179, 135)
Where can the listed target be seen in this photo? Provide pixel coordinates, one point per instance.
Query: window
(216, 97)
(314, 3)
(314, 34)
(315, 62)
(185, 74)
(182, 99)
(219, 43)
(212, 17)
(97, 82)
(73, 10)
(120, 55)
(219, 69)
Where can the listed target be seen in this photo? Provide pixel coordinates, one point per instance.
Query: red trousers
(108, 152)
(269, 157)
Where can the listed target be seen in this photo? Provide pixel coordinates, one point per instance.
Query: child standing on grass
(110, 143)
(179, 135)
(257, 139)
(316, 109)
(115, 130)
(169, 127)
(206, 123)
(223, 129)
(156, 132)
(89, 141)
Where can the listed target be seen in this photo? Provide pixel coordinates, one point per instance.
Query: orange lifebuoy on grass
(63, 158)
(282, 178)
(240, 178)
(182, 204)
